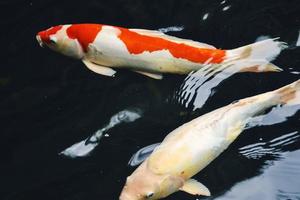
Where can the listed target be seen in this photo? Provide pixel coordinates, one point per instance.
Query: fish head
(57, 39)
(144, 184)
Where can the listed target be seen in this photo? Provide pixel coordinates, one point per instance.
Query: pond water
(68, 133)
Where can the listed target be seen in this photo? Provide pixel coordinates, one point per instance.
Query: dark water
(49, 102)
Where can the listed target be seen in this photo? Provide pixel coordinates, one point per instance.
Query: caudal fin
(289, 94)
(256, 57)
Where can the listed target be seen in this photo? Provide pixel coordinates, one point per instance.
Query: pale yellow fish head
(57, 39)
(144, 184)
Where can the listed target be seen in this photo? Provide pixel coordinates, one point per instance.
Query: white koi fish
(192, 146)
(151, 53)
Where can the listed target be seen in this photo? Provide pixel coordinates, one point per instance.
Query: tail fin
(256, 57)
(289, 94)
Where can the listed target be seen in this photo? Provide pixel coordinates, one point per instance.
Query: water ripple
(199, 86)
(273, 147)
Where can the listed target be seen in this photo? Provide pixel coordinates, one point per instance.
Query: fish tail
(256, 57)
(289, 94)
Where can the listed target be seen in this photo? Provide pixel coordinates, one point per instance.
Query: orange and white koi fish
(192, 146)
(151, 53)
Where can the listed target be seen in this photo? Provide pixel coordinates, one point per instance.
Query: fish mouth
(39, 39)
(125, 197)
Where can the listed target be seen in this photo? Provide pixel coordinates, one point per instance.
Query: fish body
(192, 146)
(103, 48)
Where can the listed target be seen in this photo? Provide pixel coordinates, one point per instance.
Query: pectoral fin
(106, 71)
(194, 187)
(151, 75)
(142, 155)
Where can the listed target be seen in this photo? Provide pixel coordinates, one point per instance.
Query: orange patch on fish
(137, 44)
(45, 35)
(84, 33)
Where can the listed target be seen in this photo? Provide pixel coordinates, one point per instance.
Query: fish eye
(53, 40)
(149, 195)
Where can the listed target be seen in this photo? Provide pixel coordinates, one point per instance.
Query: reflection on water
(171, 29)
(205, 16)
(85, 147)
(271, 184)
(273, 147)
(199, 86)
(226, 8)
(298, 40)
(277, 115)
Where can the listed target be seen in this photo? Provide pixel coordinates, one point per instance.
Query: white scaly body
(109, 50)
(195, 144)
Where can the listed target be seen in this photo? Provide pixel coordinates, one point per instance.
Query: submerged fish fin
(194, 187)
(151, 75)
(142, 154)
(159, 34)
(106, 71)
